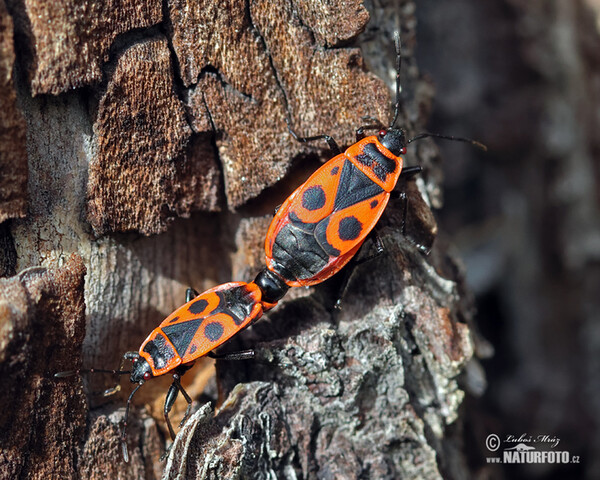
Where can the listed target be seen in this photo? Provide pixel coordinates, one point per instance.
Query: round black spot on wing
(193, 349)
(198, 306)
(349, 228)
(335, 170)
(313, 198)
(374, 203)
(174, 319)
(213, 331)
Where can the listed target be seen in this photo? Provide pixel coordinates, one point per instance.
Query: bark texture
(145, 150)
(42, 315)
(64, 45)
(157, 149)
(365, 392)
(13, 157)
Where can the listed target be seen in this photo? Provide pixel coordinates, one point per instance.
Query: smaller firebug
(192, 331)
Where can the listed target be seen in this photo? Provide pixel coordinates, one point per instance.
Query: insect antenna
(398, 86)
(120, 371)
(70, 373)
(449, 137)
(397, 105)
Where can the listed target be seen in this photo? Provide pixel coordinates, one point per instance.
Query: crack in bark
(259, 35)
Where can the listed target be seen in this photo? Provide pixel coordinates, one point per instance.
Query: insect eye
(147, 376)
(382, 132)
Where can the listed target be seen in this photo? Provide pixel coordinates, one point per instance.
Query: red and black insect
(324, 222)
(317, 230)
(192, 331)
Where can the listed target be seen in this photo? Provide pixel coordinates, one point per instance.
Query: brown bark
(155, 170)
(13, 156)
(64, 45)
(145, 149)
(43, 322)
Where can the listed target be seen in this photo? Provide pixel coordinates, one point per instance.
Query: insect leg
(111, 391)
(174, 390)
(379, 249)
(330, 141)
(355, 262)
(187, 399)
(169, 401)
(401, 195)
(124, 431)
(406, 174)
(241, 355)
(409, 172)
(360, 131)
(190, 294)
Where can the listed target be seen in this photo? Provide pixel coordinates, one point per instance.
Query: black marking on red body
(236, 302)
(174, 319)
(354, 187)
(301, 250)
(160, 351)
(300, 225)
(374, 203)
(214, 331)
(314, 198)
(181, 334)
(381, 165)
(335, 170)
(193, 349)
(296, 253)
(349, 228)
(198, 306)
(321, 237)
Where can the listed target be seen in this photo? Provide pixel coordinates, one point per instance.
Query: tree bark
(157, 149)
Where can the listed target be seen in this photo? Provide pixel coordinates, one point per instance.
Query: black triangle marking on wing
(181, 334)
(354, 187)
